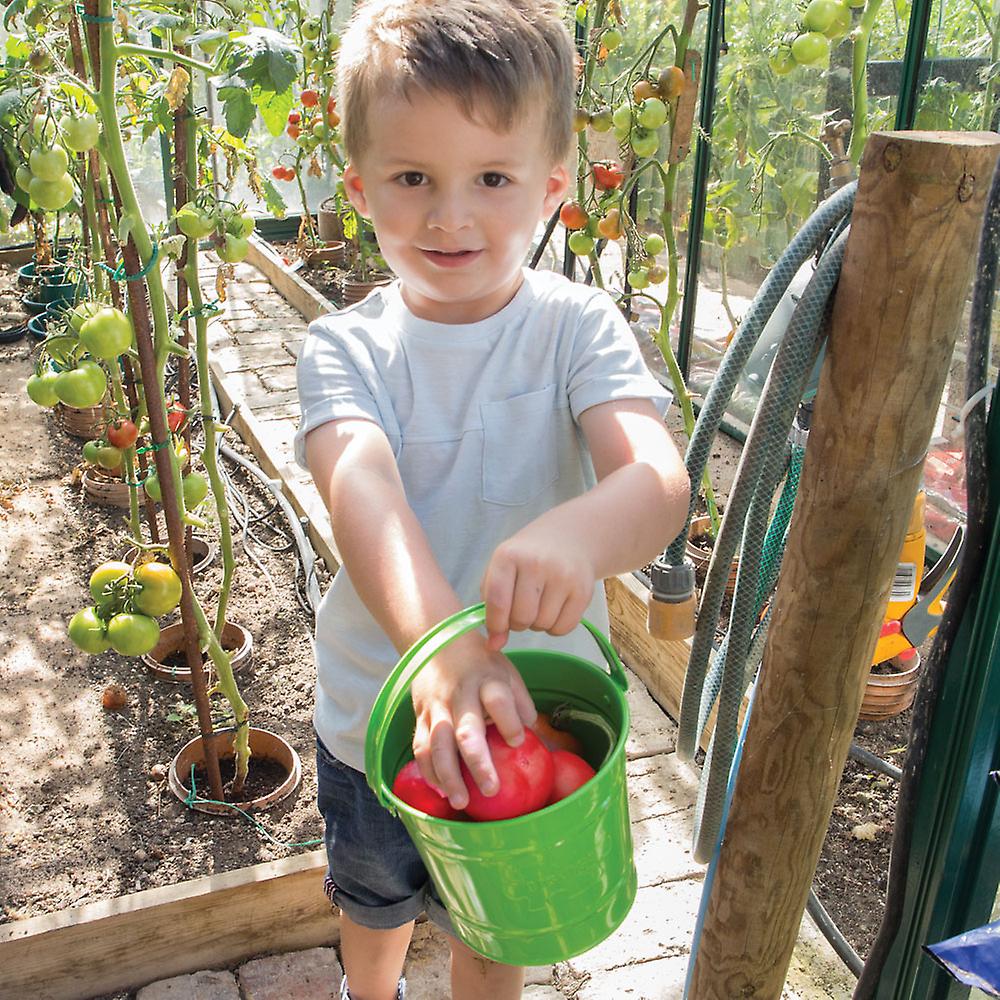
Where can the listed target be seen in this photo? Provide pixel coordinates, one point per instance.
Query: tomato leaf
(239, 110)
(274, 108)
(272, 199)
(265, 60)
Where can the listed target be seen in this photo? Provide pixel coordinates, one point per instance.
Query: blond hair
(498, 58)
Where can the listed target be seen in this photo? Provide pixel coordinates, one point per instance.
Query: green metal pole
(913, 58)
(699, 184)
(954, 866)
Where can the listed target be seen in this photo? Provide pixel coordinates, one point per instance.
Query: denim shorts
(374, 874)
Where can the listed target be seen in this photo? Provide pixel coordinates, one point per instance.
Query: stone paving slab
(197, 986)
(313, 974)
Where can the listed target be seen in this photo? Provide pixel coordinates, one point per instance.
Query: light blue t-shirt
(483, 421)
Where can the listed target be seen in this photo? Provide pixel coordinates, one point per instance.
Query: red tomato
(122, 433)
(309, 98)
(571, 772)
(175, 416)
(293, 131)
(278, 172)
(573, 215)
(608, 176)
(526, 775)
(411, 787)
(555, 739)
(294, 117)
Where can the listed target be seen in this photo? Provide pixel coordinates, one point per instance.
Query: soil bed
(84, 806)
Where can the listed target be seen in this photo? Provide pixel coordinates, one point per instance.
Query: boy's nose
(449, 214)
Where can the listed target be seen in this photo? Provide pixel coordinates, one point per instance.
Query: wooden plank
(210, 922)
(294, 289)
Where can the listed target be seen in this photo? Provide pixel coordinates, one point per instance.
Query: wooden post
(898, 305)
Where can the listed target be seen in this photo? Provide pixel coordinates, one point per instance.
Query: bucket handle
(397, 686)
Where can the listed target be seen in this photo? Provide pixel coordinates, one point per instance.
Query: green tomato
(90, 450)
(152, 488)
(654, 244)
(611, 38)
(644, 142)
(107, 334)
(638, 278)
(310, 50)
(855, 4)
(42, 389)
(600, 121)
(133, 635)
(195, 489)
(81, 313)
(49, 164)
(321, 130)
(841, 25)
(236, 7)
(193, 222)
(22, 177)
(109, 457)
(782, 62)
(80, 133)
(622, 117)
(51, 195)
(819, 15)
(44, 129)
(159, 589)
(581, 244)
(211, 45)
(240, 224)
(311, 28)
(653, 113)
(810, 48)
(78, 387)
(234, 249)
(104, 578)
(333, 43)
(87, 631)
(39, 59)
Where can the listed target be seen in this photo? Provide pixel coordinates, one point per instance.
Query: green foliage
(265, 61)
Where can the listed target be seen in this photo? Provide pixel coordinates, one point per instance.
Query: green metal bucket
(543, 887)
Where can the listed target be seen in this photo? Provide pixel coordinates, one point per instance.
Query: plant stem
(128, 454)
(187, 61)
(859, 81)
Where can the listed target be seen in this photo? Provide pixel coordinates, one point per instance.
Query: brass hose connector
(672, 600)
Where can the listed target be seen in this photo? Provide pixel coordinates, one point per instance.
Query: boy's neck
(461, 312)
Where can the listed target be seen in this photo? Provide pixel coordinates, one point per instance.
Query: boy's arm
(543, 576)
(390, 563)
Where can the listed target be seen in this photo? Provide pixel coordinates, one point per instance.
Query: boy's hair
(498, 58)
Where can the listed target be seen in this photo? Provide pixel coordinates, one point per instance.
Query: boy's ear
(355, 189)
(555, 189)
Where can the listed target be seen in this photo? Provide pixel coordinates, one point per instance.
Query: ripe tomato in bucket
(571, 771)
(526, 774)
(411, 787)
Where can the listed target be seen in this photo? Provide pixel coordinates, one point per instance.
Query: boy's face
(454, 203)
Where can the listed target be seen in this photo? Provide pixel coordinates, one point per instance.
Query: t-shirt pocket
(520, 457)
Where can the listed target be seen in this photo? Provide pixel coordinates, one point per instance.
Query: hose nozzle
(671, 600)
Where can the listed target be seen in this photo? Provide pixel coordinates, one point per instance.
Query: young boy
(477, 431)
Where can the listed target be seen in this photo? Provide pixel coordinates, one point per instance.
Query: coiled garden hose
(762, 465)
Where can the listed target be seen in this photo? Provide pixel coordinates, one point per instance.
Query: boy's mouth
(451, 258)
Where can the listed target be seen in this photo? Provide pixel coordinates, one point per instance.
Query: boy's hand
(539, 579)
(451, 696)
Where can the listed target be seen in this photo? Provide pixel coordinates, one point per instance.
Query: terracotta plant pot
(105, 489)
(354, 290)
(264, 745)
(86, 423)
(236, 641)
(701, 557)
(332, 253)
(328, 221)
(202, 553)
(887, 695)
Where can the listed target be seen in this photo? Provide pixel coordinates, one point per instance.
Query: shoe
(400, 989)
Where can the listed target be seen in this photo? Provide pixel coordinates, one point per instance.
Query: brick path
(254, 344)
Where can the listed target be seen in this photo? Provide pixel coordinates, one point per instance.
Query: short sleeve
(331, 378)
(606, 363)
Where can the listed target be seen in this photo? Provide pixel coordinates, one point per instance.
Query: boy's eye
(494, 180)
(411, 178)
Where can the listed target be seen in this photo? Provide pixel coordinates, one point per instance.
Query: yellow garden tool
(916, 601)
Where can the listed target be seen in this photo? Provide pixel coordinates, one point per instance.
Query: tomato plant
(525, 773)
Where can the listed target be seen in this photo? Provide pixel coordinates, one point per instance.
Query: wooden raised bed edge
(210, 922)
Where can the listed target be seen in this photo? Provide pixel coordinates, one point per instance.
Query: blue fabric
(375, 874)
(972, 958)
